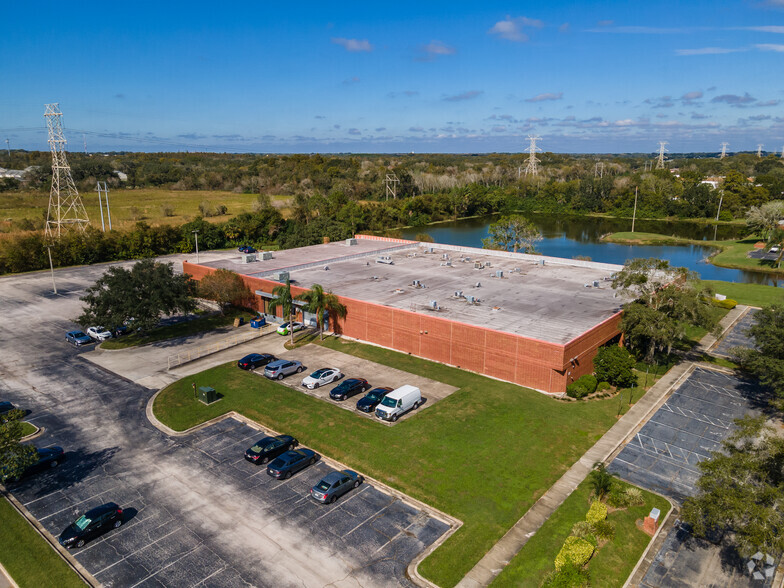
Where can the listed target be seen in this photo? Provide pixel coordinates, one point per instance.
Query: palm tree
(283, 300)
(601, 481)
(318, 302)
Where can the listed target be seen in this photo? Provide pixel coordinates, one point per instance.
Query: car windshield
(323, 486)
(284, 326)
(82, 523)
(318, 373)
(374, 396)
(391, 402)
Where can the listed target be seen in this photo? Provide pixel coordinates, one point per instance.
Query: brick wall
(522, 360)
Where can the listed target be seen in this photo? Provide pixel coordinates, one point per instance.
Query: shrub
(614, 364)
(569, 576)
(601, 481)
(618, 498)
(589, 382)
(603, 386)
(575, 390)
(634, 496)
(727, 303)
(575, 551)
(167, 210)
(581, 529)
(597, 512)
(604, 530)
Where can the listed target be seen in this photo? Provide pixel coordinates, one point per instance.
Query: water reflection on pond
(572, 236)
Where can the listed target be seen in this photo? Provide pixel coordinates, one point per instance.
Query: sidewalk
(494, 561)
(6, 581)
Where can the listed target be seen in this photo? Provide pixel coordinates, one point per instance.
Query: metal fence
(189, 355)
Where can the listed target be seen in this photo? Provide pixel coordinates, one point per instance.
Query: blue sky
(612, 76)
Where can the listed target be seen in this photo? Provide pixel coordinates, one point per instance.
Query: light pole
(196, 237)
(51, 267)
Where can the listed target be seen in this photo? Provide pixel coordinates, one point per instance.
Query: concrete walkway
(494, 561)
(6, 581)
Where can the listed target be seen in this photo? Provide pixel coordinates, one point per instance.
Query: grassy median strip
(27, 557)
(183, 329)
(485, 454)
(612, 563)
(28, 429)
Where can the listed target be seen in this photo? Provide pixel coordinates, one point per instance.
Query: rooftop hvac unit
(351, 242)
(499, 274)
(586, 285)
(479, 265)
(429, 250)
(446, 264)
(416, 284)
(488, 264)
(434, 305)
(478, 285)
(596, 283)
(326, 267)
(458, 293)
(541, 262)
(282, 277)
(265, 255)
(444, 256)
(248, 257)
(467, 259)
(385, 259)
(472, 299)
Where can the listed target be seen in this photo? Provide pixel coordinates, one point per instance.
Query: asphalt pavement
(192, 517)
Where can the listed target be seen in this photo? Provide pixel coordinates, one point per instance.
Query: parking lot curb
(40, 431)
(80, 570)
(412, 570)
(652, 542)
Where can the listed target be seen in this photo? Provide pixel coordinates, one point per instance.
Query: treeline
(603, 182)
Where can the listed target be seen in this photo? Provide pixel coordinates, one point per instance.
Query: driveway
(193, 516)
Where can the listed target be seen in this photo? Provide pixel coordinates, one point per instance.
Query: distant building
(123, 176)
(15, 174)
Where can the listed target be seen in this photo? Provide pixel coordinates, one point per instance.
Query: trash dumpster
(207, 395)
(258, 322)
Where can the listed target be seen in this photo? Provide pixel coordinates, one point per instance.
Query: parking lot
(737, 336)
(377, 375)
(692, 422)
(196, 514)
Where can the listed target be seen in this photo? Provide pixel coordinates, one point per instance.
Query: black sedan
(270, 448)
(91, 524)
(254, 360)
(48, 457)
(246, 249)
(349, 388)
(335, 484)
(291, 462)
(369, 401)
(6, 406)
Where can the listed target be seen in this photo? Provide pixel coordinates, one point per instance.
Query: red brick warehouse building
(532, 320)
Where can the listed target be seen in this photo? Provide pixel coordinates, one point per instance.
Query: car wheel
(53, 463)
(342, 397)
(332, 499)
(416, 405)
(299, 369)
(312, 460)
(356, 483)
(394, 418)
(118, 523)
(280, 376)
(287, 476)
(80, 543)
(263, 460)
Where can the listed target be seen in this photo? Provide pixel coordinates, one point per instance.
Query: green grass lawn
(610, 565)
(485, 454)
(29, 559)
(28, 429)
(749, 294)
(191, 327)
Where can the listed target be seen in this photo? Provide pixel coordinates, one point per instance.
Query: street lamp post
(196, 237)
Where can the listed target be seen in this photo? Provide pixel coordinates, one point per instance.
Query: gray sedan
(335, 484)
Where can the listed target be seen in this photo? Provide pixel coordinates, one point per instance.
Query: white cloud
(545, 97)
(471, 94)
(564, 28)
(770, 47)
(766, 29)
(353, 45)
(436, 48)
(707, 51)
(689, 96)
(511, 29)
(354, 132)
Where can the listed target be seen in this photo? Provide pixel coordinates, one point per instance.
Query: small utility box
(207, 395)
(239, 321)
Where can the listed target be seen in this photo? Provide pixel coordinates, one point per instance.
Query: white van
(399, 401)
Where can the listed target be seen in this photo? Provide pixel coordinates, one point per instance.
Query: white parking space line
(41, 498)
(70, 506)
(186, 554)
(370, 519)
(134, 552)
(342, 503)
(218, 571)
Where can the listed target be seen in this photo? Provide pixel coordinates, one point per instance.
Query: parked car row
(93, 334)
(284, 461)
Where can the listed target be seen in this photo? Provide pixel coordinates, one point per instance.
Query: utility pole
(532, 167)
(724, 150)
(782, 153)
(759, 150)
(390, 182)
(662, 151)
(8, 148)
(634, 214)
(196, 236)
(66, 210)
(721, 199)
(51, 267)
(84, 138)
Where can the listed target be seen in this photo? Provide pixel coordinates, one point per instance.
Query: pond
(571, 236)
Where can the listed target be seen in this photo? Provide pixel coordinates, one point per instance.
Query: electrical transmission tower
(532, 167)
(782, 153)
(759, 150)
(724, 150)
(66, 210)
(662, 151)
(8, 148)
(390, 182)
(598, 169)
